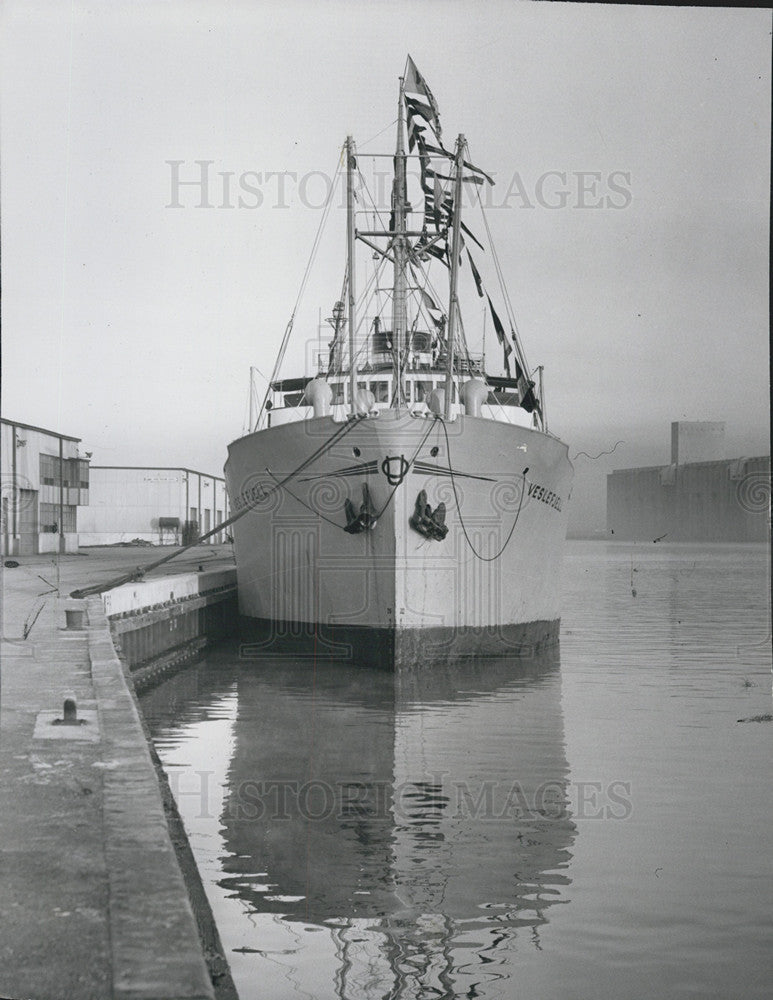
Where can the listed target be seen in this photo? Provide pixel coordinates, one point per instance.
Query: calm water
(599, 827)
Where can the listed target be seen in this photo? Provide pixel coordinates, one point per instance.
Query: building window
(195, 514)
(49, 470)
(76, 472)
(50, 513)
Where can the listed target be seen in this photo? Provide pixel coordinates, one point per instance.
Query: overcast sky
(132, 324)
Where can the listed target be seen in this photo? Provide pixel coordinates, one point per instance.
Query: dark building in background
(701, 496)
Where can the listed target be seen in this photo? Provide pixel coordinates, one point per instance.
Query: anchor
(431, 524)
(363, 520)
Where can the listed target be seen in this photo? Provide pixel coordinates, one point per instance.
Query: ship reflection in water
(419, 822)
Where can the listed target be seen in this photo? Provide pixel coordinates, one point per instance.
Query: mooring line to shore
(141, 571)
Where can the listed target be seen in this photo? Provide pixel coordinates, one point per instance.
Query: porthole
(356, 452)
(434, 451)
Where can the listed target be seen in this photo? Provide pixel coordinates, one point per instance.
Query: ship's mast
(453, 303)
(399, 201)
(350, 237)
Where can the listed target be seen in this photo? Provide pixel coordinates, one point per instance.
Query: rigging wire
(503, 287)
(463, 343)
(334, 345)
(246, 415)
(365, 294)
(304, 282)
(539, 420)
(366, 190)
(399, 385)
(390, 125)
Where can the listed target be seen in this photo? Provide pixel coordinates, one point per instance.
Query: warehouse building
(45, 480)
(699, 496)
(162, 506)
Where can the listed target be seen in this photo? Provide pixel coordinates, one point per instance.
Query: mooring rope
(459, 510)
(389, 499)
(140, 571)
(410, 464)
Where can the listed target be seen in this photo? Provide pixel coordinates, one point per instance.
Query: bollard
(69, 714)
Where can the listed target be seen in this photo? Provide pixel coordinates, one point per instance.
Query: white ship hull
(388, 595)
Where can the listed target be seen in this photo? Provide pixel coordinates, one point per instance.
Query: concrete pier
(92, 898)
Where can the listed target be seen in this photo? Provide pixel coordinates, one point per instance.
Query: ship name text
(250, 497)
(545, 495)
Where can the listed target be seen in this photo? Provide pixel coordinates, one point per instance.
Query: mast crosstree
(400, 345)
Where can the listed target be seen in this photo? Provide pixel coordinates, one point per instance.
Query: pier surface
(92, 899)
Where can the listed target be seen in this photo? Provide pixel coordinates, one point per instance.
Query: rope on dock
(140, 571)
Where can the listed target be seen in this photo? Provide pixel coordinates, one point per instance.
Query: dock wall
(100, 896)
(143, 631)
(158, 625)
(156, 950)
